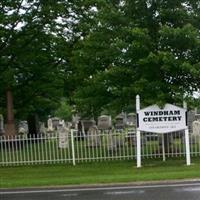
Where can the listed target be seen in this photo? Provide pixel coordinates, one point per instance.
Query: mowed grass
(95, 173)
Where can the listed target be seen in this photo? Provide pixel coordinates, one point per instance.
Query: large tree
(145, 47)
(35, 43)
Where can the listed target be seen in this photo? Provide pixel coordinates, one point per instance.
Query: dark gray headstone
(87, 124)
(33, 125)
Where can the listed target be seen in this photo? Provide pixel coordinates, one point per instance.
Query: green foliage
(64, 111)
(33, 54)
(99, 54)
(142, 47)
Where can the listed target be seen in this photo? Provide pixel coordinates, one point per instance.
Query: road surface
(176, 191)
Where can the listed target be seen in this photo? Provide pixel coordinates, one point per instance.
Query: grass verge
(93, 173)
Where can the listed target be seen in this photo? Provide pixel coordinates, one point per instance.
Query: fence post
(73, 152)
(163, 147)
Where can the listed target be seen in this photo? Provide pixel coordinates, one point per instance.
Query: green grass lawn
(102, 172)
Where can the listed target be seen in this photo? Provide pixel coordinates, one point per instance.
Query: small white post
(73, 152)
(187, 141)
(138, 136)
(187, 147)
(163, 147)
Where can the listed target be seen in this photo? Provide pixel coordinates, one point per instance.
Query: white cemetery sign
(156, 120)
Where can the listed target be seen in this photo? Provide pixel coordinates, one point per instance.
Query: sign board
(169, 119)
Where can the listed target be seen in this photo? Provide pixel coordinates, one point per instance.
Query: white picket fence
(103, 146)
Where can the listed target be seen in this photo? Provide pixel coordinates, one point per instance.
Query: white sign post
(187, 141)
(156, 120)
(138, 136)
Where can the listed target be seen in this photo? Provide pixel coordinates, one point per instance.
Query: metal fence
(102, 146)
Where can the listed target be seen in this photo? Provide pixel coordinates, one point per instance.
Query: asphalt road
(177, 191)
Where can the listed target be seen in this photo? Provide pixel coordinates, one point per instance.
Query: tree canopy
(144, 47)
(34, 49)
(98, 53)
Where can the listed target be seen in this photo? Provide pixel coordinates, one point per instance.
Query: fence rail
(73, 148)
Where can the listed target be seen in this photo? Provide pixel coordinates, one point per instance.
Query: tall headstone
(190, 119)
(42, 128)
(63, 137)
(80, 131)
(75, 120)
(131, 124)
(196, 128)
(50, 125)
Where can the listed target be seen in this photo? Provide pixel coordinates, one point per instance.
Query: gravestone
(23, 127)
(104, 122)
(62, 123)
(93, 137)
(196, 127)
(197, 114)
(110, 144)
(80, 132)
(75, 120)
(120, 121)
(118, 140)
(55, 122)
(86, 125)
(115, 141)
(131, 136)
(190, 119)
(131, 120)
(42, 128)
(2, 131)
(50, 125)
(63, 136)
(68, 125)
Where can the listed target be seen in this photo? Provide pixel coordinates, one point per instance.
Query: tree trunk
(10, 124)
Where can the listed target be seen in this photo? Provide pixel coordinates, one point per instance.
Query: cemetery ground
(98, 173)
